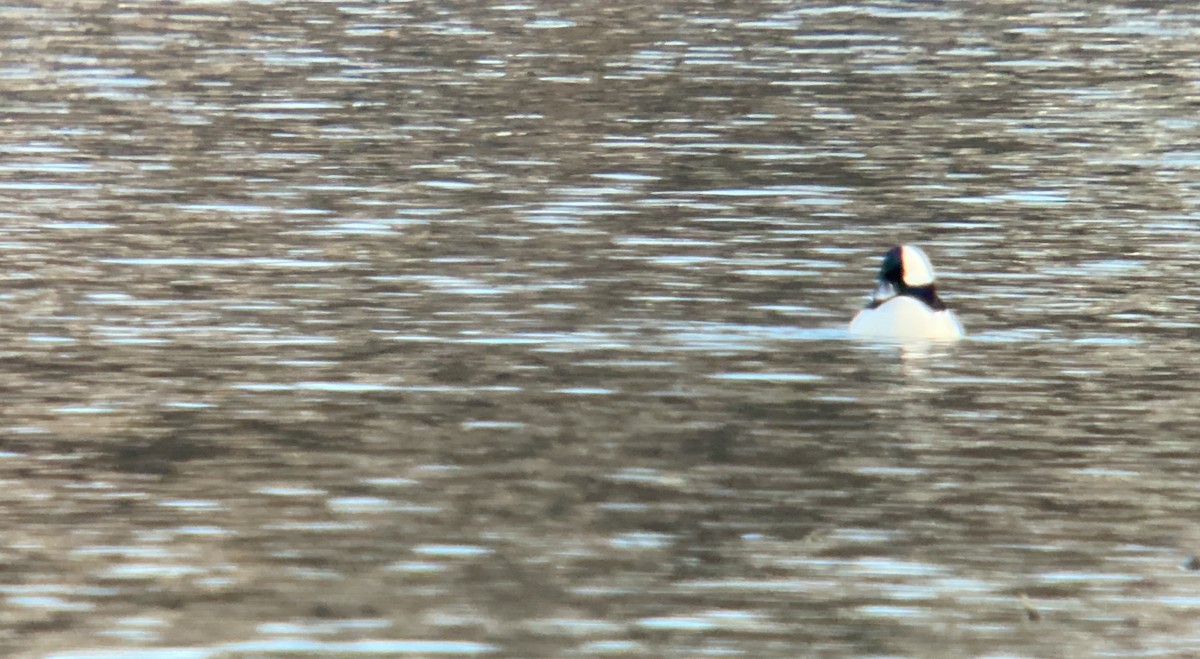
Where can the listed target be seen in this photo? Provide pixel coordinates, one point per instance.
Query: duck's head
(905, 267)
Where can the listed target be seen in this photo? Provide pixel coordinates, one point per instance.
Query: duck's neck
(927, 294)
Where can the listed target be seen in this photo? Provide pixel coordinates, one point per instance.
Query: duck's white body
(904, 317)
(906, 304)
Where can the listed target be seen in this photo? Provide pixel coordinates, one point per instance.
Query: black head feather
(891, 276)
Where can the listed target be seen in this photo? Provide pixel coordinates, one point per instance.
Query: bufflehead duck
(906, 304)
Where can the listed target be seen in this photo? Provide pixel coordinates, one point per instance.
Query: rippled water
(359, 328)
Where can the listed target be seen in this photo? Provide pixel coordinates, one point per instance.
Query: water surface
(353, 328)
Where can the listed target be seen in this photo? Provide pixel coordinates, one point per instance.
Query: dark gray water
(351, 328)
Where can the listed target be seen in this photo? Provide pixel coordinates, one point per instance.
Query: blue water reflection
(421, 329)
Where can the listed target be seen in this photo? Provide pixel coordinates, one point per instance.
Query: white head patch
(918, 271)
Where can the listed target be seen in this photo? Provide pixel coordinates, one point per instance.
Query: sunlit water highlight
(410, 329)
